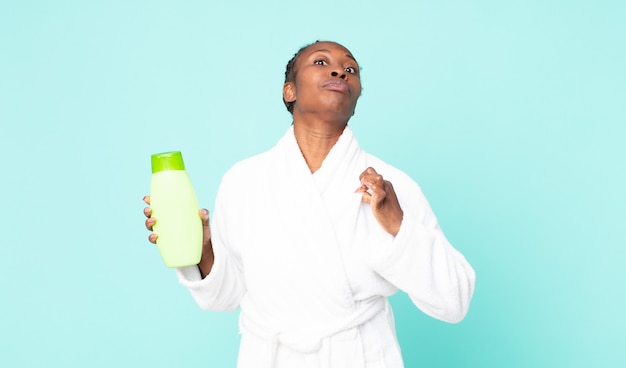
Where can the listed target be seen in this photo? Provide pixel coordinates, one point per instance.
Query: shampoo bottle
(175, 207)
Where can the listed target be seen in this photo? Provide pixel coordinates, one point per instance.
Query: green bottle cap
(167, 161)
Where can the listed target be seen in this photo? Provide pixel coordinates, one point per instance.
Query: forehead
(325, 46)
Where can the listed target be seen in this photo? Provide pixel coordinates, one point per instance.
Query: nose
(334, 73)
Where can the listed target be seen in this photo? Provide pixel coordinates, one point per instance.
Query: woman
(309, 238)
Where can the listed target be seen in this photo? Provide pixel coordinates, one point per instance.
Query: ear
(289, 92)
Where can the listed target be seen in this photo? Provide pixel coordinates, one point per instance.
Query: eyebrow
(328, 52)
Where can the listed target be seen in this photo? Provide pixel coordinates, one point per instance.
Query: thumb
(204, 216)
(206, 231)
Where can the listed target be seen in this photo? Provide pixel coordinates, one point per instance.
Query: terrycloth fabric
(310, 266)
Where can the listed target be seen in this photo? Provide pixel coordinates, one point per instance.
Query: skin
(325, 92)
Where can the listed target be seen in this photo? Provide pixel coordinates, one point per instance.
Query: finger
(371, 192)
(361, 189)
(374, 188)
(146, 199)
(150, 223)
(368, 186)
(372, 181)
(206, 231)
(204, 215)
(366, 197)
(369, 171)
(391, 198)
(378, 195)
(390, 191)
(368, 175)
(147, 211)
(152, 238)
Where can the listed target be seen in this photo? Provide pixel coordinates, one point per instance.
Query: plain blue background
(510, 114)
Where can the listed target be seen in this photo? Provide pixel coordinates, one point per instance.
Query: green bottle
(175, 207)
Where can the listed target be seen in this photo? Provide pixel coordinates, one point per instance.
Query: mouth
(337, 85)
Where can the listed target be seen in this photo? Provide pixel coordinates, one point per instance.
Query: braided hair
(290, 73)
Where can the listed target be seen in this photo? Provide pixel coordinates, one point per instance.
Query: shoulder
(249, 166)
(246, 173)
(247, 170)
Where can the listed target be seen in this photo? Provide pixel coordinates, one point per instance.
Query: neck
(316, 139)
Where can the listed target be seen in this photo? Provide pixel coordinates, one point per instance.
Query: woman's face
(327, 81)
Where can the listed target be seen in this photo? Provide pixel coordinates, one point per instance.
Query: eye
(350, 70)
(320, 62)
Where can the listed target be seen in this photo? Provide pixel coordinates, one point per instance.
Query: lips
(337, 85)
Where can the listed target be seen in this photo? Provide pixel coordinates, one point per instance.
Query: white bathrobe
(310, 266)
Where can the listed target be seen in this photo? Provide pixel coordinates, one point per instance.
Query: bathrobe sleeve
(421, 261)
(224, 287)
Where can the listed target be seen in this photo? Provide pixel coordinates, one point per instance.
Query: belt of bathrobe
(310, 340)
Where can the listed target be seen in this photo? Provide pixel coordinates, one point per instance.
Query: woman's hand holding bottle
(206, 261)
